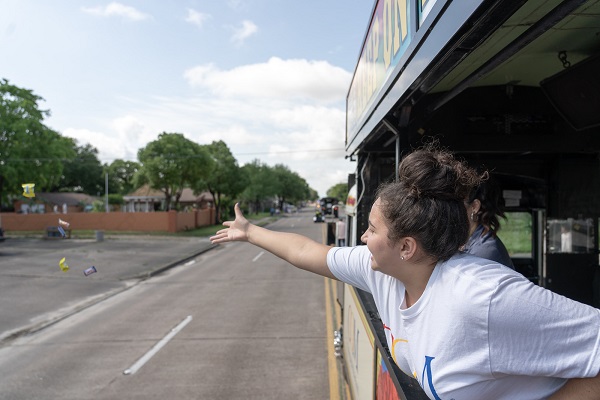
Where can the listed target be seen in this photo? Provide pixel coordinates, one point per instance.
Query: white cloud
(108, 147)
(236, 5)
(242, 33)
(274, 111)
(115, 9)
(196, 18)
(319, 117)
(123, 137)
(277, 78)
(132, 132)
(237, 135)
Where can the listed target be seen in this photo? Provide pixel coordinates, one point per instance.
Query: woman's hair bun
(436, 173)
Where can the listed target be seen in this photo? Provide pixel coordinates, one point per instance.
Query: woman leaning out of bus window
(464, 327)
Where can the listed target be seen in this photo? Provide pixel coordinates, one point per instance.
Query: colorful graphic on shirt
(426, 380)
(427, 369)
(394, 343)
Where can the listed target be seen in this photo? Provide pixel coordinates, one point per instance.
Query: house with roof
(59, 202)
(146, 199)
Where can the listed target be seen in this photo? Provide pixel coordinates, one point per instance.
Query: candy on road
(28, 190)
(62, 231)
(63, 265)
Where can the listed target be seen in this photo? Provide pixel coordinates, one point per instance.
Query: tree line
(31, 152)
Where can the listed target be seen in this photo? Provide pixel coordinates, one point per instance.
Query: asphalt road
(35, 291)
(231, 323)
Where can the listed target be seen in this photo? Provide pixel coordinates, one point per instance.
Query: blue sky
(268, 77)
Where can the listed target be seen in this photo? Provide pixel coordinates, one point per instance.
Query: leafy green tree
(262, 185)
(62, 150)
(115, 201)
(226, 179)
(30, 152)
(291, 188)
(121, 176)
(339, 191)
(98, 206)
(140, 177)
(84, 173)
(171, 163)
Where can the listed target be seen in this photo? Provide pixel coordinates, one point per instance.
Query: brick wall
(170, 221)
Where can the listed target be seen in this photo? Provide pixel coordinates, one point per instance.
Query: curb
(160, 270)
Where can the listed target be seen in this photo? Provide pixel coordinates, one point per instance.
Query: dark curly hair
(488, 194)
(427, 202)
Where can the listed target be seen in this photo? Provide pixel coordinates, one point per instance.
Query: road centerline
(258, 256)
(144, 359)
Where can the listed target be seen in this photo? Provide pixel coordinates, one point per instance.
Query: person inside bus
(484, 211)
(341, 232)
(566, 239)
(463, 326)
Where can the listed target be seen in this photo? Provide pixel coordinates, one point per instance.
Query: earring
(402, 257)
(472, 215)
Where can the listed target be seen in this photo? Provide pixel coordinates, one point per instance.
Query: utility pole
(106, 190)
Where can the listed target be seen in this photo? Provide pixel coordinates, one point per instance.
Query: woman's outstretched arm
(298, 250)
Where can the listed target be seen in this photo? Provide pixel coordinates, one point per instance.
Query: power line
(170, 156)
(290, 151)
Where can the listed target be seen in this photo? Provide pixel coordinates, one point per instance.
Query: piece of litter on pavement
(63, 265)
(90, 270)
(28, 189)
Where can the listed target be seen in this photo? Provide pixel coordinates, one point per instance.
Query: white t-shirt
(480, 330)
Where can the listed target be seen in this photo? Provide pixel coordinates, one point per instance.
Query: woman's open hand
(236, 230)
